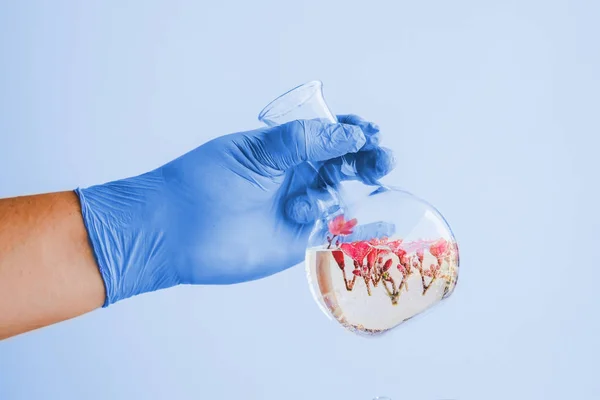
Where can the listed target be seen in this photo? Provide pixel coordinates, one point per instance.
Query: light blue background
(492, 108)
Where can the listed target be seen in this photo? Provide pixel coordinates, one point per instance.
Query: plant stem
(393, 285)
(433, 277)
(386, 288)
(345, 279)
(395, 293)
(419, 267)
(330, 241)
(428, 286)
(350, 286)
(403, 284)
(376, 274)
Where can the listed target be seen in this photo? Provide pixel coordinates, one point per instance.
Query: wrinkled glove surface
(232, 210)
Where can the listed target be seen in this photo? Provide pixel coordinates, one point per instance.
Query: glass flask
(377, 255)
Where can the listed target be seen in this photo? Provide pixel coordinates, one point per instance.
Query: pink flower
(402, 269)
(420, 254)
(371, 257)
(357, 272)
(433, 270)
(387, 265)
(356, 250)
(339, 226)
(401, 253)
(378, 242)
(339, 258)
(416, 245)
(439, 248)
(394, 246)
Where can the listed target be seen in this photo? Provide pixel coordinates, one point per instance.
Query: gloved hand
(232, 210)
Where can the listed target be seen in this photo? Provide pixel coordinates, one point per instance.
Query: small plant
(339, 227)
(373, 259)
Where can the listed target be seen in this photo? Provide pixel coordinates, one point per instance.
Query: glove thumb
(314, 140)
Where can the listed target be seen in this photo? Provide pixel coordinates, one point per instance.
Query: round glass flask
(377, 255)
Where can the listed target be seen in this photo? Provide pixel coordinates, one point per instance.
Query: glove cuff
(96, 229)
(124, 226)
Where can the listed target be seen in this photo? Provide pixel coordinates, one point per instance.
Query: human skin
(48, 272)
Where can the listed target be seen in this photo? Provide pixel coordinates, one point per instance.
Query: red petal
(339, 220)
(395, 245)
(439, 247)
(356, 250)
(357, 272)
(387, 265)
(401, 253)
(351, 224)
(339, 258)
(348, 226)
(371, 257)
(336, 225)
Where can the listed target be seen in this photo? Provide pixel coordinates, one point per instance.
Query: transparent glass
(377, 255)
(302, 102)
(385, 259)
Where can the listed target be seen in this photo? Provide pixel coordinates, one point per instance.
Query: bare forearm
(47, 270)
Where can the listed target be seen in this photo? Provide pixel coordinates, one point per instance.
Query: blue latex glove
(232, 210)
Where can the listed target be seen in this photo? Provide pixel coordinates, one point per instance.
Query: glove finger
(370, 166)
(370, 129)
(373, 165)
(304, 207)
(293, 143)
